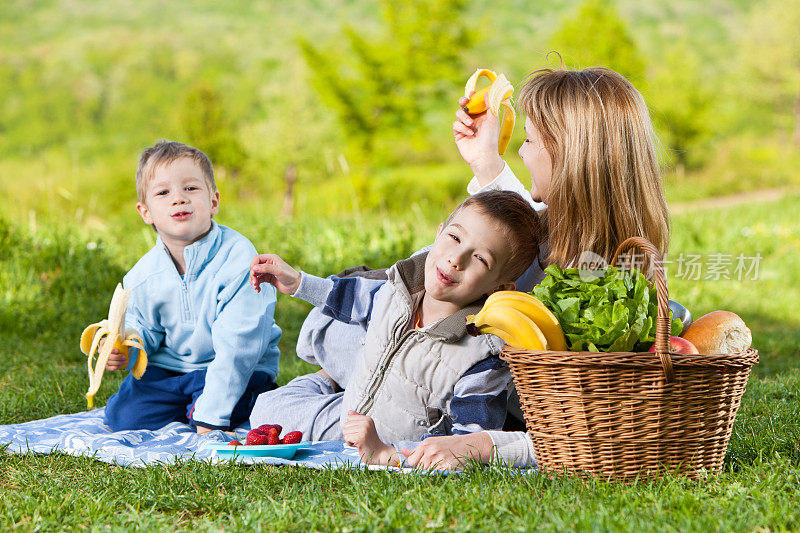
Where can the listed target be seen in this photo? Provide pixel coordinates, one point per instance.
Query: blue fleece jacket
(208, 318)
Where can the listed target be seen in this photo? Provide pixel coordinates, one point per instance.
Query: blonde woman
(590, 151)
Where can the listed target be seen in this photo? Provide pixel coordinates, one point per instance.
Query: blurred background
(328, 108)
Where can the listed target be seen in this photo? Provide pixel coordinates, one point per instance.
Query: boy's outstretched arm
(270, 268)
(359, 431)
(348, 300)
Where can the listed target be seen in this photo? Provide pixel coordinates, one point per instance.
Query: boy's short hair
(524, 226)
(165, 152)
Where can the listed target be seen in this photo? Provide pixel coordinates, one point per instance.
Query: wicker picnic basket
(628, 414)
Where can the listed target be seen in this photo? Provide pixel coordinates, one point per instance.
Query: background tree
(207, 126)
(383, 83)
(596, 36)
(681, 103)
(770, 51)
(292, 142)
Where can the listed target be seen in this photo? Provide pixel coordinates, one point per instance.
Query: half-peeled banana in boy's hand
(111, 330)
(499, 94)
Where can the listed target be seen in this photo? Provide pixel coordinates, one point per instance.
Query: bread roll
(719, 332)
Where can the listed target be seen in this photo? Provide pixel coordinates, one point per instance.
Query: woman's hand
(476, 138)
(269, 268)
(450, 453)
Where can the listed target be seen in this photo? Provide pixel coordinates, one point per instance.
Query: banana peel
(498, 94)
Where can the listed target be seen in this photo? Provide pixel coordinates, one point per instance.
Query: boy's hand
(359, 431)
(116, 360)
(202, 430)
(269, 268)
(476, 138)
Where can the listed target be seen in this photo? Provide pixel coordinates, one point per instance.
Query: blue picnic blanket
(84, 434)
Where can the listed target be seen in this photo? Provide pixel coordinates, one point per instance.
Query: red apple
(679, 345)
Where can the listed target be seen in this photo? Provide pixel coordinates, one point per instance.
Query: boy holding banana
(211, 341)
(419, 373)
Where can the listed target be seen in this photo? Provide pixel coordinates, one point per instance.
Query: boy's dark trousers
(163, 396)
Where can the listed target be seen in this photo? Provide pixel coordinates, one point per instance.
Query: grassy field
(45, 301)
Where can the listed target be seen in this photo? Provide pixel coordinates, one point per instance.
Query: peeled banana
(532, 307)
(499, 94)
(111, 330)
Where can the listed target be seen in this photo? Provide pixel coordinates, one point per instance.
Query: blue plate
(282, 451)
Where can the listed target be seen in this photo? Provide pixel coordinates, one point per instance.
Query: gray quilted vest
(405, 380)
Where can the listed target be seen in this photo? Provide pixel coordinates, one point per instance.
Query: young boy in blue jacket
(211, 340)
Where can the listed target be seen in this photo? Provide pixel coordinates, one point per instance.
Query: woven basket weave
(629, 414)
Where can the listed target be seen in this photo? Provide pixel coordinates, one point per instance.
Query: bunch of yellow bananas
(520, 319)
(111, 330)
(500, 92)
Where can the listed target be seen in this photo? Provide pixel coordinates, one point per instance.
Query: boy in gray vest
(419, 373)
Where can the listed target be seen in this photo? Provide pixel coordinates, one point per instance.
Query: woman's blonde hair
(606, 185)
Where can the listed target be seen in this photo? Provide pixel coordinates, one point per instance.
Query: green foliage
(597, 36)
(433, 189)
(206, 123)
(770, 53)
(85, 86)
(384, 83)
(682, 105)
(738, 164)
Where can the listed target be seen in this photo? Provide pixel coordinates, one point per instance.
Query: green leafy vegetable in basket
(615, 312)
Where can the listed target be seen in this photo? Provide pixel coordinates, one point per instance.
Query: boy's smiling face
(179, 202)
(468, 259)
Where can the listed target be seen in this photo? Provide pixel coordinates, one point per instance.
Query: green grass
(52, 284)
(83, 493)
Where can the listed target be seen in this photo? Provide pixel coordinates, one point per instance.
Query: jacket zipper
(187, 316)
(380, 373)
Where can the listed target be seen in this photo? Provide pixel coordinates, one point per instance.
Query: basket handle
(663, 326)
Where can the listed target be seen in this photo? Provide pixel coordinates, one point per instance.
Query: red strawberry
(272, 436)
(234, 442)
(264, 428)
(254, 437)
(293, 438)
